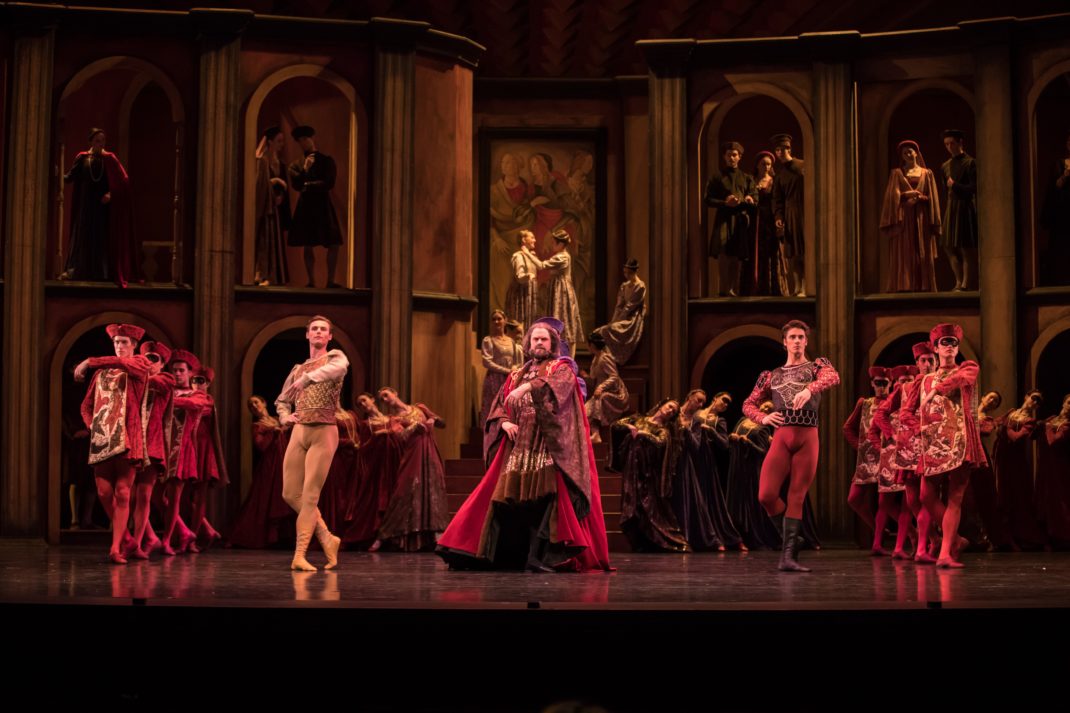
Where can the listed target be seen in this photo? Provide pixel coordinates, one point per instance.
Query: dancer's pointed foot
(302, 565)
(331, 547)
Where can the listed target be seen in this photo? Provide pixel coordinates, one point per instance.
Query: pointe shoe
(299, 562)
(116, 557)
(948, 563)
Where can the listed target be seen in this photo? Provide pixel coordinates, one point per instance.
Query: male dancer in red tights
(111, 411)
(889, 424)
(795, 390)
(944, 408)
(155, 416)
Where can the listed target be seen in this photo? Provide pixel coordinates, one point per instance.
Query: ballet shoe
(139, 554)
(167, 550)
(299, 562)
(924, 558)
(116, 557)
(329, 543)
(187, 542)
(375, 546)
(948, 563)
(900, 555)
(878, 552)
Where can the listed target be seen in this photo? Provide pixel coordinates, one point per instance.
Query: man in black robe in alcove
(314, 220)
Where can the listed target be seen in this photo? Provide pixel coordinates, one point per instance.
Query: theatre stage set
(606, 121)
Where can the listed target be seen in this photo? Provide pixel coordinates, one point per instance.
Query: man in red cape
(539, 506)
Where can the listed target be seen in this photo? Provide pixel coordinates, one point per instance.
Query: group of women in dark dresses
(386, 487)
(1017, 509)
(676, 495)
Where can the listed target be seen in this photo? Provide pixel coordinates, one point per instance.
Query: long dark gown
(646, 516)
(374, 477)
(688, 496)
(418, 507)
(89, 257)
(745, 467)
(1053, 479)
(264, 514)
(714, 438)
(1014, 480)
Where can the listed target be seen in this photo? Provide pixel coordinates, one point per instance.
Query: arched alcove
(750, 113)
(85, 339)
(305, 94)
(142, 114)
(919, 111)
(285, 343)
(896, 342)
(1052, 376)
(735, 363)
(1049, 147)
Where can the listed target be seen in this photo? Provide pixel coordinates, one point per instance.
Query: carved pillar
(218, 205)
(834, 171)
(668, 214)
(26, 219)
(392, 216)
(995, 204)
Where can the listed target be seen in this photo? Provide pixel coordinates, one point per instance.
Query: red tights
(115, 478)
(793, 453)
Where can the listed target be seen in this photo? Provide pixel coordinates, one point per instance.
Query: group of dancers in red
(919, 444)
(153, 438)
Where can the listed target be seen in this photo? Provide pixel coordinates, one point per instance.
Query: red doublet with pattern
(111, 409)
(782, 384)
(943, 408)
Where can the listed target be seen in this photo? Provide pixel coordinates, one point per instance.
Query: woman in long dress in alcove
(910, 217)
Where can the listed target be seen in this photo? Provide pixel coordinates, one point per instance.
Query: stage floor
(842, 580)
(396, 632)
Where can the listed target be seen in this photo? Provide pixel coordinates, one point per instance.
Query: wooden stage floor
(664, 633)
(841, 580)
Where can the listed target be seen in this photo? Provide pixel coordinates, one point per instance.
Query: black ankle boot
(789, 554)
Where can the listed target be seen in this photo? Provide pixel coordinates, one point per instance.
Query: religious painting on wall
(542, 226)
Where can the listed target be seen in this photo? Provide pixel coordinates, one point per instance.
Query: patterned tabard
(107, 433)
(943, 426)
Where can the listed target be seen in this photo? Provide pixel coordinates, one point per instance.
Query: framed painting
(543, 181)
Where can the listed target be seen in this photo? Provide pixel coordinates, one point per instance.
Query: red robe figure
(889, 424)
(111, 411)
(875, 464)
(1053, 475)
(102, 237)
(375, 474)
(264, 513)
(211, 462)
(1012, 458)
(182, 462)
(943, 407)
(539, 506)
(156, 414)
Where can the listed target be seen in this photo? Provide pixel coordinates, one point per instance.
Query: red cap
(188, 357)
(898, 372)
(158, 347)
(945, 329)
(921, 349)
(878, 372)
(132, 331)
